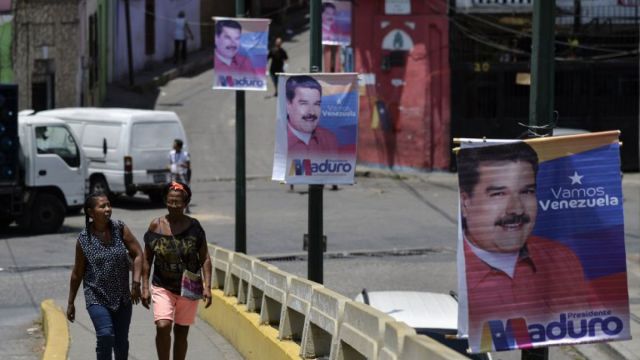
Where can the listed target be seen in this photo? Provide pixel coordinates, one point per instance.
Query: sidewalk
(204, 342)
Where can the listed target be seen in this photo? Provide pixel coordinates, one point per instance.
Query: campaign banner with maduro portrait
(240, 53)
(541, 252)
(336, 22)
(317, 128)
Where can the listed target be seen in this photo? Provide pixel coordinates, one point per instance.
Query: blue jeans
(112, 331)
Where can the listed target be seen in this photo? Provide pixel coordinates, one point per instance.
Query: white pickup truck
(51, 177)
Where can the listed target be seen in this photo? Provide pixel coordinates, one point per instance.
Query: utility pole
(541, 95)
(127, 16)
(241, 189)
(542, 66)
(315, 249)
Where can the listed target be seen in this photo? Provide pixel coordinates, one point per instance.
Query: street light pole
(542, 66)
(241, 200)
(541, 95)
(315, 248)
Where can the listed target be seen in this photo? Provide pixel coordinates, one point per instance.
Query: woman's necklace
(102, 236)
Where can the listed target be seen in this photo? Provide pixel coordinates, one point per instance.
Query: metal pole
(541, 96)
(542, 69)
(127, 16)
(315, 249)
(241, 200)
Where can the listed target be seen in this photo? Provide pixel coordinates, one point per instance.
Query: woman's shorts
(169, 306)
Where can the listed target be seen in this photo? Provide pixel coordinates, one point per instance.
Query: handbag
(191, 286)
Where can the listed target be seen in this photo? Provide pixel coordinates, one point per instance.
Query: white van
(128, 149)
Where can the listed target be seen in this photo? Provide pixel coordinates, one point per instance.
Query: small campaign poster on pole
(240, 53)
(336, 22)
(317, 128)
(541, 252)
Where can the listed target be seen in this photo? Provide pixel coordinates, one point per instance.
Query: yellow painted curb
(243, 330)
(56, 331)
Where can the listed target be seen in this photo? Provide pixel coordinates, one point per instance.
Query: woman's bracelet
(135, 283)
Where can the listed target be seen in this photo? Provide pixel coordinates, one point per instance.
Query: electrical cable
(479, 38)
(518, 32)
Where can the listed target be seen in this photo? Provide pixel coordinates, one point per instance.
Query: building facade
(6, 35)
(401, 49)
(47, 53)
(152, 32)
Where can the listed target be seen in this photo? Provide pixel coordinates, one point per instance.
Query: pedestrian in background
(180, 38)
(175, 245)
(180, 164)
(102, 263)
(278, 58)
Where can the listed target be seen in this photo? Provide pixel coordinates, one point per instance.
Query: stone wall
(46, 48)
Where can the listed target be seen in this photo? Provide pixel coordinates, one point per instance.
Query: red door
(410, 63)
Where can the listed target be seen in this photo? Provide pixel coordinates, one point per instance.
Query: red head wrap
(176, 186)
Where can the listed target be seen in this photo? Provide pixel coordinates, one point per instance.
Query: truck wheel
(99, 184)
(156, 196)
(47, 214)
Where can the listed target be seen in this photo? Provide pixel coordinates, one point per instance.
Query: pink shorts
(169, 306)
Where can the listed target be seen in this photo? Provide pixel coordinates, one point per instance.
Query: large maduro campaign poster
(541, 253)
(336, 22)
(240, 54)
(317, 128)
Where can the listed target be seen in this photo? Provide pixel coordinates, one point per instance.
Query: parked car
(128, 149)
(431, 314)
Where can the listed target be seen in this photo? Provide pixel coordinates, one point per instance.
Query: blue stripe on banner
(580, 205)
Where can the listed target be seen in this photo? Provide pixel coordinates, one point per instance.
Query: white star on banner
(576, 179)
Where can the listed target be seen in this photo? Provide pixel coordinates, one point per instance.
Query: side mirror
(104, 146)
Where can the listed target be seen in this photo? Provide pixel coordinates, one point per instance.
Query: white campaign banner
(317, 128)
(541, 252)
(240, 53)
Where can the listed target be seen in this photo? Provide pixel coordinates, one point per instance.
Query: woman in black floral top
(174, 242)
(102, 264)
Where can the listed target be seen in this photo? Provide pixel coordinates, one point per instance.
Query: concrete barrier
(56, 331)
(221, 262)
(278, 304)
(243, 330)
(257, 285)
(320, 331)
(296, 308)
(394, 334)
(361, 332)
(420, 347)
(239, 276)
(275, 296)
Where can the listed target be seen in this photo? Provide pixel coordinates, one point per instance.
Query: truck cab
(51, 180)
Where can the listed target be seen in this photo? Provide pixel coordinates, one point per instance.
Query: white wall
(165, 13)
